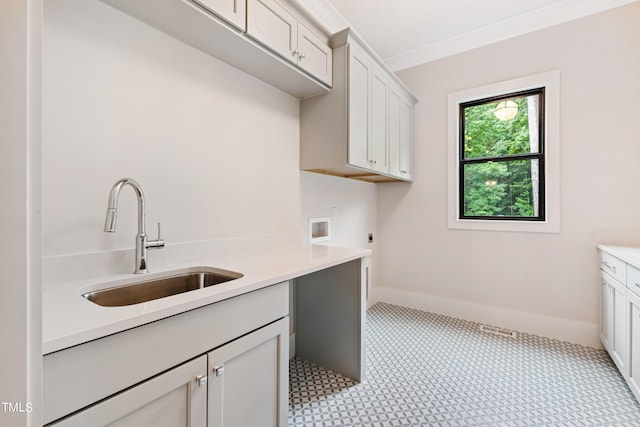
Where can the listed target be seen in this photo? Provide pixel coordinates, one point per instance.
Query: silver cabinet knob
(201, 380)
(218, 371)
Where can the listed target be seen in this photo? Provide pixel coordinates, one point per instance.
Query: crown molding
(536, 20)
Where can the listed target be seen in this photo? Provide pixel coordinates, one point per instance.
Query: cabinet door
(173, 399)
(406, 139)
(633, 334)
(618, 322)
(273, 26)
(249, 379)
(360, 72)
(315, 57)
(379, 121)
(605, 312)
(395, 110)
(400, 134)
(232, 11)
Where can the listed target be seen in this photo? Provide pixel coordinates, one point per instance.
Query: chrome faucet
(142, 244)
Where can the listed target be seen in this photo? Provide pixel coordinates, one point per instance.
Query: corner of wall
(551, 327)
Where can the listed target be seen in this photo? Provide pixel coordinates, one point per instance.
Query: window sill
(498, 225)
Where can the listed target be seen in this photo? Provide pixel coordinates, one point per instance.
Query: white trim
(533, 21)
(551, 82)
(537, 324)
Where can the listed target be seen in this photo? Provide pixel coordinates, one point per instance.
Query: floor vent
(498, 331)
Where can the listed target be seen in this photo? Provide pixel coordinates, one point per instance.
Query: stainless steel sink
(171, 284)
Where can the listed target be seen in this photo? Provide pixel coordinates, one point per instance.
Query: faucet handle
(155, 244)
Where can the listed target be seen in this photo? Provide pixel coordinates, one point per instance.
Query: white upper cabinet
(232, 11)
(400, 133)
(368, 110)
(276, 42)
(284, 33)
(379, 129)
(363, 128)
(271, 24)
(359, 102)
(314, 55)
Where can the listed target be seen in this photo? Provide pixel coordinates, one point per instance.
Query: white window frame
(551, 82)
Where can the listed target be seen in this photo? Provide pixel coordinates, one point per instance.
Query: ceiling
(405, 33)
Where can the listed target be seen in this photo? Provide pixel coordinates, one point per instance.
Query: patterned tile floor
(425, 369)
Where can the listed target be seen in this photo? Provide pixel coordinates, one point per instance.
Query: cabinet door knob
(301, 56)
(218, 371)
(201, 380)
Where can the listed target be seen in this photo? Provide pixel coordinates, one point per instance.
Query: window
(504, 156)
(501, 162)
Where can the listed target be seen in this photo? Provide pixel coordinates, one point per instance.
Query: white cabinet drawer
(613, 266)
(633, 279)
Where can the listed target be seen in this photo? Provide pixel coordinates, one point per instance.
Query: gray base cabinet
(243, 383)
(173, 399)
(246, 380)
(225, 364)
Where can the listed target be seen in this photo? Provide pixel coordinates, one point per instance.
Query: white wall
(355, 203)
(542, 283)
(20, 299)
(215, 150)
(356, 212)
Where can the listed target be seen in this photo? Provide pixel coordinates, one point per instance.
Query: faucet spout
(142, 244)
(112, 208)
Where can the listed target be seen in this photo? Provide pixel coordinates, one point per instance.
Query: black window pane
(502, 189)
(502, 127)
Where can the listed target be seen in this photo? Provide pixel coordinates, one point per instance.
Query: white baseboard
(552, 327)
(372, 300)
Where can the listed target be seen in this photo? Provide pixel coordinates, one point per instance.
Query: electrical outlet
(370, 237)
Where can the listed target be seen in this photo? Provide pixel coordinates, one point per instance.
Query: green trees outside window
(501, 161)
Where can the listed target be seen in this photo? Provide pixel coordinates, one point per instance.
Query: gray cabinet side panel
(330, 319)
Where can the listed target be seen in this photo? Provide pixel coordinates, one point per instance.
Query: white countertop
(628, 254)
(69, 319)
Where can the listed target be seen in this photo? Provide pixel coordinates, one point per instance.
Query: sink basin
(172, 284)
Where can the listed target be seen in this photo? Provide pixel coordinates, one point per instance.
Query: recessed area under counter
(146, 348)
